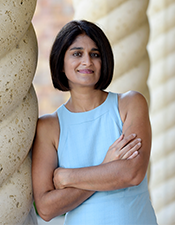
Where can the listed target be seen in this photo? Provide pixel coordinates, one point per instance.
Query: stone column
(126, 25)
(18, 110)
(162, 86)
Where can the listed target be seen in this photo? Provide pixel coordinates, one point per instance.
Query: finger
(126, 140)
(130, 149)
(133, 155)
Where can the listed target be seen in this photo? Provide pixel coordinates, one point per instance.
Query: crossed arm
(58, 190)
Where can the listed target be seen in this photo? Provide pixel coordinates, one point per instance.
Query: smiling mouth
(86, 71)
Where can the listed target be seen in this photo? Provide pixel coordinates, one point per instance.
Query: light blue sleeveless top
(84, 141)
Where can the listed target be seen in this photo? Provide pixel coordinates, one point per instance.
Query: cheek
(66, 67)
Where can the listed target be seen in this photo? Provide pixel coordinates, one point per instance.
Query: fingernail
(139, 144)
(139, 139)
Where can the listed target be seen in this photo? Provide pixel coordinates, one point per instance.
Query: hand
(58, 178)
(123, 148)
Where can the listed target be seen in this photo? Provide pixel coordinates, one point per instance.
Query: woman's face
(82, 63)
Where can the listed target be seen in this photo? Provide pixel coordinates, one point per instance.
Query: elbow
(44, 212)
(137, 173)
(45, 218)
(136, 178)
(44, 215)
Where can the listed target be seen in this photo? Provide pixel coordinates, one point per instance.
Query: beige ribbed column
(18, 110)
(126, 25)
(162, 86)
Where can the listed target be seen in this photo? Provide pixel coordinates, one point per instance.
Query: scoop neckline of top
(96, 108)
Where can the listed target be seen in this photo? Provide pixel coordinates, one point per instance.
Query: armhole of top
(59, 125)
(118, 110)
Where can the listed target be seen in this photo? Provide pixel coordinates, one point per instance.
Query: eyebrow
(80, 48)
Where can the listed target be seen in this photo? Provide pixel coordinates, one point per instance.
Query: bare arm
(49, 201)
(117, 173)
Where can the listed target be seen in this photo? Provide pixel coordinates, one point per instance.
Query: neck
(86, 100)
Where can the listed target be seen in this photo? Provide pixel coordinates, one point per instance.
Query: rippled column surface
(126, 25)
(162, 87)
(18, 110)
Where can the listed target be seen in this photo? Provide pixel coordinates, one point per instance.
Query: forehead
(83, 40)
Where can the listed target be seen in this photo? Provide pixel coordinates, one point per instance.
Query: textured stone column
(126, 25)
(162, 86)
(18, 110)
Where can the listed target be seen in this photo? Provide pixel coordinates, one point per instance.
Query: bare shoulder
(48, 120)
(48, 128)
(132, 97)
(133, 102)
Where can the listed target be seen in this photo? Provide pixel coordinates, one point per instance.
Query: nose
(87, 61)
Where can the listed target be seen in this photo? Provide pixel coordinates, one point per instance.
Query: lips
(86, 71)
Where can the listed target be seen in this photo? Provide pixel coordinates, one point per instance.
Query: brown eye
(95, 55)
(77, 54)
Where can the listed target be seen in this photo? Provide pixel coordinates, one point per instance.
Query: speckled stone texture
(17, 73)
(18, 110)
(15, 19)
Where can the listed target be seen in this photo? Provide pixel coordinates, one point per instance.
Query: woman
(90, 157)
